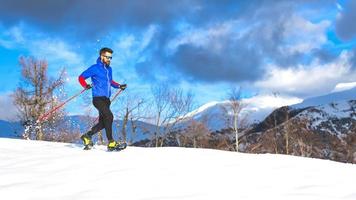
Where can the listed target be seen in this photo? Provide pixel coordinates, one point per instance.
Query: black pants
(102, 104)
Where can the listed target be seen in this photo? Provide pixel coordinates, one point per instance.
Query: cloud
(91, 18)
(232, 63)
(39, 44)
(344, 86)
(54, 50)
(214, 53)
(270, 101)
(302, 36)
(237, 50)
(309, 80)
(345, 23)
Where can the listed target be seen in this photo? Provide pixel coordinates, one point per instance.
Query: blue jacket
(101, 78)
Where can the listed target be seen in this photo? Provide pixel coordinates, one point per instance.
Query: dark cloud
(93, 17)
(345, 24)
(324, 55)
(232, 63)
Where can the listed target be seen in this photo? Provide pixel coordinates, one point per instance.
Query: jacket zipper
(107, 76)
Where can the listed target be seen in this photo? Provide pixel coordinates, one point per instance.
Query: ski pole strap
(45, 115)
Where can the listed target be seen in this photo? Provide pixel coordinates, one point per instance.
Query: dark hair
(105, 49)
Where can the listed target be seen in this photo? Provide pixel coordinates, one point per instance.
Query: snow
(44, 170)
(327, 112)
(332, 97)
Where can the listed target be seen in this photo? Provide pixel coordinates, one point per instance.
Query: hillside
(322, 131)
(45, 170)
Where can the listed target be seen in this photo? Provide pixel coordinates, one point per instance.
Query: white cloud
(260, 106)
(271, 101)
(130, 46)
(54, 50)
(309, 80)
(344, 86)
(40, 45)
(301, 35)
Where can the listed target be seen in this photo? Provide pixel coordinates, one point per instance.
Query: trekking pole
(116, 95)
(45, 115)
(113, 99)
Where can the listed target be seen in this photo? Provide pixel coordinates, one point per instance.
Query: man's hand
(89, 86)
(123, 86)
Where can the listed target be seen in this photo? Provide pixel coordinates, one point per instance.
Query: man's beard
(107, 62)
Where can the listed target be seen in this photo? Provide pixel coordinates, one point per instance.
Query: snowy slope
(325, 99)
(43, 170)
(336, 118)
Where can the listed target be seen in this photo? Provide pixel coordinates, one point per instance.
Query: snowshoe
(115, 146)
(88, 143)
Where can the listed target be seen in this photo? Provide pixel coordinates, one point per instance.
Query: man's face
(106, 58)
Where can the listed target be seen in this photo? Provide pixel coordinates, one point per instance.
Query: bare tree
(36, 94)
(170, 105)
(131, 106)
(275, 94)
(198, 131)
(181, 104)
(287, 131)
(235, 106)
(138, 112)
(130, 110)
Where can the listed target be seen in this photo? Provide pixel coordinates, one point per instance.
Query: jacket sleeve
(82, 81)
(115, 84)
(86, 74)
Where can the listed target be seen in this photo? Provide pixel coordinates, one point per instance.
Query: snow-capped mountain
(322, 127)
(336, 118)
(218, 115)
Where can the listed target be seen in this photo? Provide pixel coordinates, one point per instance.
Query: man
(101, 78)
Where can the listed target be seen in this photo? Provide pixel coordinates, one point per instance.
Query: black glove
(89, 86)
(123, 86)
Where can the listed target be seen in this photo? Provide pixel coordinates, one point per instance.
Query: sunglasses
(108, 57)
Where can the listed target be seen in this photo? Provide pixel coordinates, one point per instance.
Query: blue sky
(297, 48)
